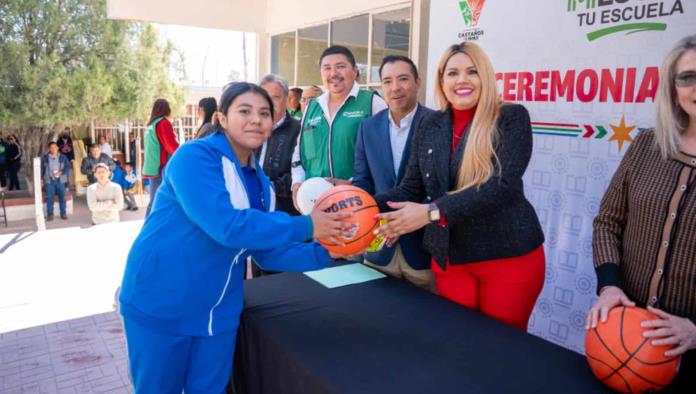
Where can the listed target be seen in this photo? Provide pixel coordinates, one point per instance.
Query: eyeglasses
(307, 99)
(685, 80)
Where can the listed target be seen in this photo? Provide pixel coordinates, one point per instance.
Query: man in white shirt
(326, 145)
(378, 170)
(104, 198)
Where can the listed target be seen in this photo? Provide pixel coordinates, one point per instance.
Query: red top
(167, 140)
(460, 120)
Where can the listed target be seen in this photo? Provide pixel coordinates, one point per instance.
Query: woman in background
(206, 108)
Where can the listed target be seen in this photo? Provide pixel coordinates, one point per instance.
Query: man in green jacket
(326, 145)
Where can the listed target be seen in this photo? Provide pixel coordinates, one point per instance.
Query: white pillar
(38, 198)
(92, 134)
(126, 141)
(182, 138)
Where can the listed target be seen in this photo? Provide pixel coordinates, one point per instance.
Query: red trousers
(504, 289)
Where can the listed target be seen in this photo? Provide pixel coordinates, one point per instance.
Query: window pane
(390, 36)
(283, 56)
(312, 41)
(353, 33)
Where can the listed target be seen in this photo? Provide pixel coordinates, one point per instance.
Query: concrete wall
(238, 15)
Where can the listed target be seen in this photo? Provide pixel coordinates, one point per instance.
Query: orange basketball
(623, 359)
(348, 198)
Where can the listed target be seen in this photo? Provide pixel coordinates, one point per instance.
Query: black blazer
(279, 148)
(490, 222)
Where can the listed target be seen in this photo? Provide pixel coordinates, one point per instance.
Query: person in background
(308, 95)
(55, 172)
(105, 146)
(14, 161)
(294, 108)
(326, 145)
(3, 161)
(160, 144)
(132, 138)
(125, 177)
(463, 184)
(65, 144)
(104, 198)
(275, 156)
(181, 317)
(644, 239)
(206, 108)
(95, 157)
(381, 156)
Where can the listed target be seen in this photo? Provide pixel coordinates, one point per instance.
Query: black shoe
(50, 218)
(64, 217)
(134, 208)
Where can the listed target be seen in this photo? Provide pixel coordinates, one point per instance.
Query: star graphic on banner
(622, 133)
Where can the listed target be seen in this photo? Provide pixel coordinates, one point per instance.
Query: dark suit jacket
(374, 172)
(279, 149)
(490, 222)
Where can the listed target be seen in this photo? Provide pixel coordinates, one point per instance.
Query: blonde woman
(463, 184)
(644, 239)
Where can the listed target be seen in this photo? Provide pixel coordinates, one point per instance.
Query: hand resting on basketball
(407, 218)
(671, 330)
(328, 226)
(609, 297)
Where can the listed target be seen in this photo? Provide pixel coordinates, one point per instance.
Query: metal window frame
(370, 13)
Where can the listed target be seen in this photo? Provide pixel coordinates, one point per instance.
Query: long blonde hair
(671, 120)
(477, 165)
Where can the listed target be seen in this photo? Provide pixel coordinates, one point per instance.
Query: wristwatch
(433, 213)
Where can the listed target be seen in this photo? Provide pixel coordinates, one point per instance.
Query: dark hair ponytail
(159, 109)
(231, 93)
(209, 106)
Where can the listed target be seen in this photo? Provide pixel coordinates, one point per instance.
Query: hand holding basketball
(294, 188)
(609, 297)
(407, 218)
(671, 330)
(328, 226)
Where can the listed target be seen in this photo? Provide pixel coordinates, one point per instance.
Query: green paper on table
(344, 275)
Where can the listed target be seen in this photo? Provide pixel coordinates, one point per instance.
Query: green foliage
(64, 62)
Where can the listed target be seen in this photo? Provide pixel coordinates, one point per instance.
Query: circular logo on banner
(557, 200)
(545, 308)
(592, 206)
(585, 284)
(597, 168)
(577, 320)
(560, 164)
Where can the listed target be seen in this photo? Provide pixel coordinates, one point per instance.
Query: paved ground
(58, 331)
(81, 217)
(85, 355)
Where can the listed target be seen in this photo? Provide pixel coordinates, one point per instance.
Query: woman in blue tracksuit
(181, 294)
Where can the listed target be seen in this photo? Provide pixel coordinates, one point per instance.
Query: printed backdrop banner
(587, 71)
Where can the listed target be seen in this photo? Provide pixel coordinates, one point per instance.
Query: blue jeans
(154, 185)
(53, 188)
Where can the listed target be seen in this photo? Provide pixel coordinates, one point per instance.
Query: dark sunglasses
(685, 80)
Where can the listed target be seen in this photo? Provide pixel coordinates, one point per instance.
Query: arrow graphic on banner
(622, 132)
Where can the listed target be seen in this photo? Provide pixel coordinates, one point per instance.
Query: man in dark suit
(381, 154)
(275, 155)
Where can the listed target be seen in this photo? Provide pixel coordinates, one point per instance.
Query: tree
(63, 62)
